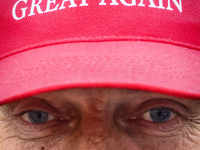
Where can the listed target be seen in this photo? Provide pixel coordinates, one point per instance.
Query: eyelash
(30, 110)
(163, 107)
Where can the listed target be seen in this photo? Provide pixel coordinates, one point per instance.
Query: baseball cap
(151, 45)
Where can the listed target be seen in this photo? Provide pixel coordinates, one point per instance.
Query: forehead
(102, 97)
(92, 92)
(103, 94)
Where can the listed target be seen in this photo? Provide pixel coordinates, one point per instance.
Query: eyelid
(30, 109)
(176, 107)
(33, 103)
(38, 104)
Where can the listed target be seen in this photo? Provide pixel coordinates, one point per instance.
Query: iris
(38, 117)
(160, 115)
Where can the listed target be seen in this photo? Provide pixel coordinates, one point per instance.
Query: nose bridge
(95, 125)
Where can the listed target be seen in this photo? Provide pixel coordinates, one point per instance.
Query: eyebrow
(131, 91)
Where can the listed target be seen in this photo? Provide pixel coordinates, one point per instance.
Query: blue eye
(160, 115)
(38, 117)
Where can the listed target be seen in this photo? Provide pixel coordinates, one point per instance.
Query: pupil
(160, 115)
(38, 117)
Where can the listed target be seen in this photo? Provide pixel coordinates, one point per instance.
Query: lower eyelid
(171, 125)
(170, 128)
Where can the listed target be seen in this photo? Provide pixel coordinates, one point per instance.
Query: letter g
(23, 10)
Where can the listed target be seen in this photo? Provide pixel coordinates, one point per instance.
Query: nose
(94, 134)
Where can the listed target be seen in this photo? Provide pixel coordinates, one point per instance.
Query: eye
(37, 117)
(158, 115)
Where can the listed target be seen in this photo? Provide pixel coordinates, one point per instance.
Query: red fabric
(24, 46)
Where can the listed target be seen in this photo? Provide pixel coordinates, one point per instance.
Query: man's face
(100, 119)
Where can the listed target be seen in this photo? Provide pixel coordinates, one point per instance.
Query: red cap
(151, 45)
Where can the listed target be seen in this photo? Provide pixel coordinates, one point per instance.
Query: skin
(100, 119)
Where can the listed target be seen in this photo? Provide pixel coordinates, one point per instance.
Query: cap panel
(96, 22)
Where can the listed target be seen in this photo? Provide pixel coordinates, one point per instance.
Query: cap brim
(149, 66)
